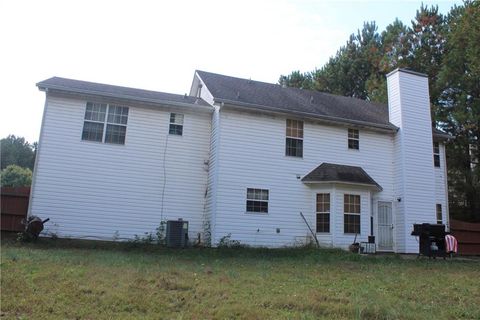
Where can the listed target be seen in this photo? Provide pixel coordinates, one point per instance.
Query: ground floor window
(439, 214)
(257, 200)
(351, 215)
(323, 212)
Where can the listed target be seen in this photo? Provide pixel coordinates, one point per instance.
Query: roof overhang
(441, 137)
(55, 89)
(225, 103)
(404, 70)
(330, 173)
(374, 187)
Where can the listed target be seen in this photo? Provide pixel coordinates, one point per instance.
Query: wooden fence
(468, 236)
(14, 207)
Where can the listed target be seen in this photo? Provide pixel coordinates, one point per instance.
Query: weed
(227, 242)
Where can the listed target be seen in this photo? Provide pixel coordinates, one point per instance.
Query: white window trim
(352, 213)
(325, 212)
(441, 213)
(105, 123)
(176, 124)
(296, 138)
(354, 139)
(249, 199)
(437, 154)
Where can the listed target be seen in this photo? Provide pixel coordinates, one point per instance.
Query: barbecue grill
(432, 239)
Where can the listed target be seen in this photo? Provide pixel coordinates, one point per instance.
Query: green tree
(358, 69)
(459, 108)
(427, 40)
(297, 80)
(447, 49)
(15, 176)
(348, 72)
(16, 150)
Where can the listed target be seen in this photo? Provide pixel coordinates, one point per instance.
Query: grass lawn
(61, 279)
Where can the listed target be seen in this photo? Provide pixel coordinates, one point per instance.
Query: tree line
(447, 49)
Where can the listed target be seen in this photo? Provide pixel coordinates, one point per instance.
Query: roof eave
(373, 186)
(43, 87)
(404, 70)
(441, 136)
(390, 128)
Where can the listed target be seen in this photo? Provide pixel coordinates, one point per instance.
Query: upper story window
(105, 123)
(257, 200)
(439, 213)
(323, 212)
(351, 216)
(294, 138)
(353, 139)
(176, 124)
(436, 154)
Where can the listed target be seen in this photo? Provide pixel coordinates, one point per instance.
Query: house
(241, 158)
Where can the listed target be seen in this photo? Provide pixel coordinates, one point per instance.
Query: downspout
(213, 217)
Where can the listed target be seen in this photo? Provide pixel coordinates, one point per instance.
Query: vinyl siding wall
(416, 183)
(96, 190)
(440, 185)
(395, 116)
(253, 156)
(213, 172)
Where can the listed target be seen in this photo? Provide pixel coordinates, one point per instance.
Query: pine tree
(459, 111)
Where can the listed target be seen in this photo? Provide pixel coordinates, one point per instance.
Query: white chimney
(414, 187)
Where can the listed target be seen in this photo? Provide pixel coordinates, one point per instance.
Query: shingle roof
(337, 173)
(86, 87)
(307, 102)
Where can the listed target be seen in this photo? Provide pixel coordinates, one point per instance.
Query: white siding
(342, 239)
(97, 190)
(440, 185)
(213, 172)
(253, 156)
(91, 189)
(395, 117)
(410, 110)
(204, 92)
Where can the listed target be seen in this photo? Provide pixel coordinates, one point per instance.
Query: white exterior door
(385, 226)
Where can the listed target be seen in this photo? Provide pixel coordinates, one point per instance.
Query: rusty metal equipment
(33, 227)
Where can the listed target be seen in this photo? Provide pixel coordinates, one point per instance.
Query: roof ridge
(243, 79)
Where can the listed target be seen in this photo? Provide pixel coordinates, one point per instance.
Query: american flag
(451, 244)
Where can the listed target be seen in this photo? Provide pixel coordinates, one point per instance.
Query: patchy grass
(89, 280)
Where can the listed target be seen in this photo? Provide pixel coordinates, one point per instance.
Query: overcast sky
(157, 45)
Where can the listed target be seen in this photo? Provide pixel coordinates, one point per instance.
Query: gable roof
(107, 90)
(256, 95)
(337, 173)
(309, 103)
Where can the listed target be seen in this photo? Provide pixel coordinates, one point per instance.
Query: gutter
(328, 119)
(373, 186)
(441, 136)
(126, 97)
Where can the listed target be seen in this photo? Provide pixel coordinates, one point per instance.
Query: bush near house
(16, 176)
(83, 280)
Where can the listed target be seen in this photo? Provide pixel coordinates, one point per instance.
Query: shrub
(15, 176)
